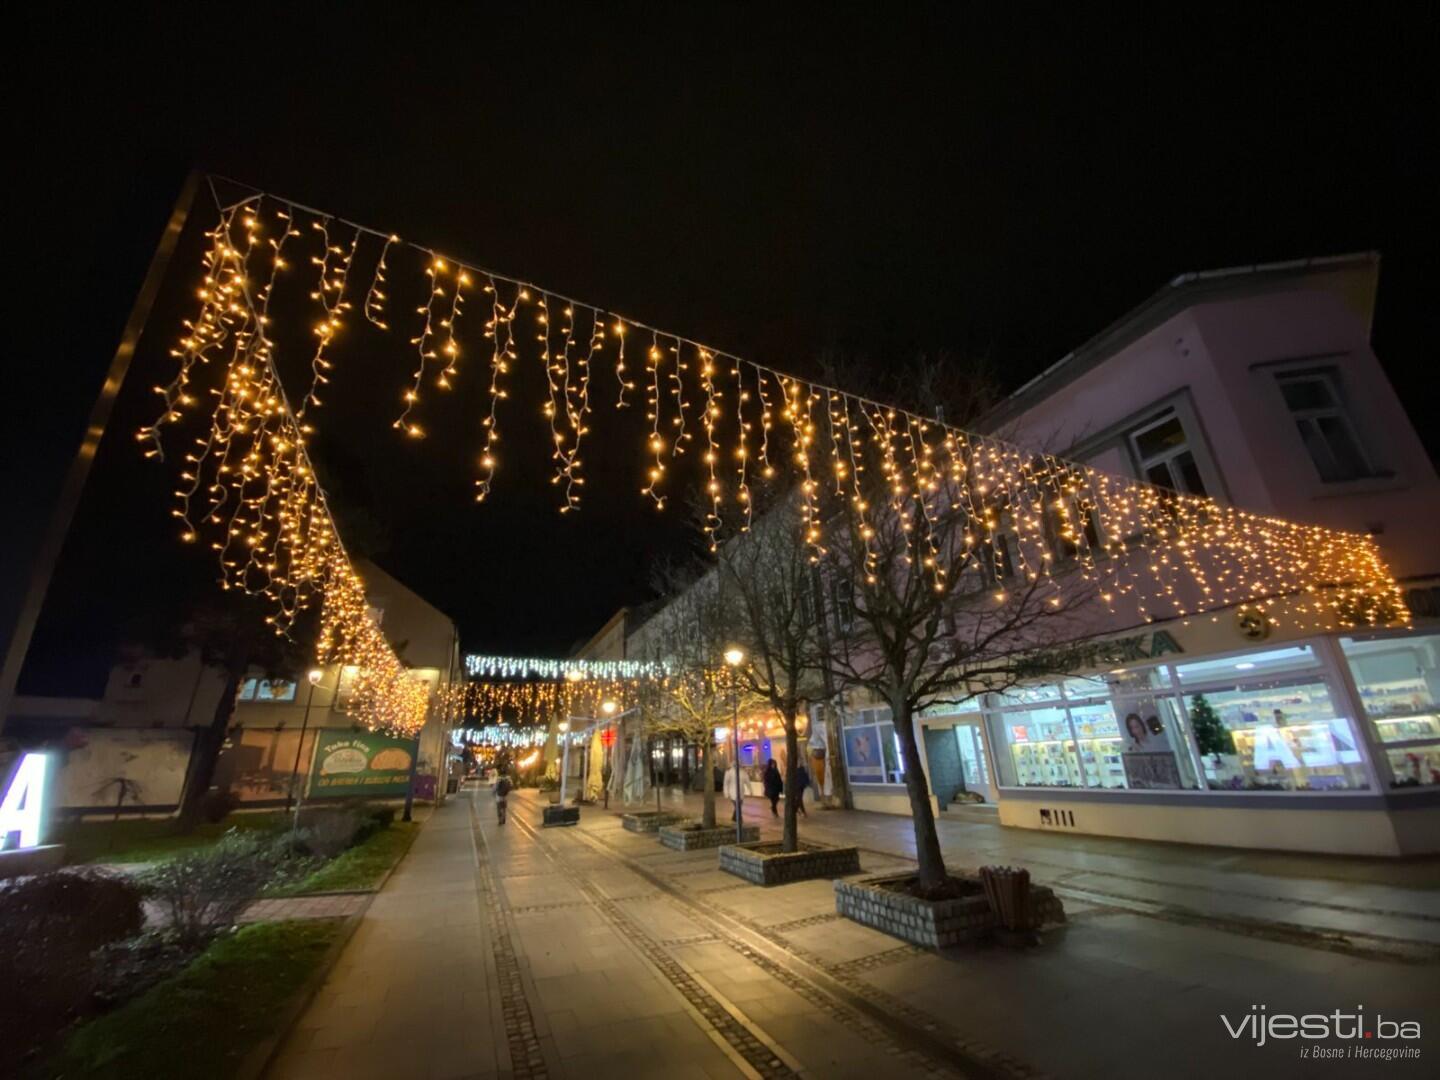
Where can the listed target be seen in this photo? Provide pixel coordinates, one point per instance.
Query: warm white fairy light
(1033, 517)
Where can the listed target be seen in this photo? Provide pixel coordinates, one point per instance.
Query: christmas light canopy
(247, 487)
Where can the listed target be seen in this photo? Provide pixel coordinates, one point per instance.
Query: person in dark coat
(802, 784)
(774, 787)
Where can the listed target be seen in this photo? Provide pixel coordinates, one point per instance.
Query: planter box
(646, 821)
(560, 815)
(766, 864)
(931, 923)
(691, 837)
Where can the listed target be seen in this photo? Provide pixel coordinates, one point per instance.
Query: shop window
(1038, 749)
(1274, 735)
(1313, 398)
(1399, 683)
(1163, 454)
(872, 754)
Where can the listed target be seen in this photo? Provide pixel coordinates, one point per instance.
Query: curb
(263, 1054)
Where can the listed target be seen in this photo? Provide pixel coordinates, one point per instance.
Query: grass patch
(139, 840)
(204, 1021)
(362, 867)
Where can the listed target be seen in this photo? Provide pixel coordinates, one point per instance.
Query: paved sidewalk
(1376, 904)
(592, 952)
(331, 906)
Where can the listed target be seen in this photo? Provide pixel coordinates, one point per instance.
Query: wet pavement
(593, 952)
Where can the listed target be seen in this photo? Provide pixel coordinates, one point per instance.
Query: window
(1258, 727)
(1399, 684)
(872, 752)
(1163, 454)
(1112, 731)
(267, 690)
(1313, 398)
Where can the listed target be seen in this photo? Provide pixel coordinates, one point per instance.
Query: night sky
(777, 183)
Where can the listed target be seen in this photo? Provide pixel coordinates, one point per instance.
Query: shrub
(206, 890)
(327, 831)
(382, 814)
(126, 969)
(88, 906)
(53, 922)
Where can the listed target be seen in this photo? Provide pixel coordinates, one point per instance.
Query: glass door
(973, 765)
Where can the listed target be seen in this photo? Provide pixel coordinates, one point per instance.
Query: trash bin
(452, 785)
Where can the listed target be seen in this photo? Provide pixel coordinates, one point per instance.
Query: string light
(1028, 516)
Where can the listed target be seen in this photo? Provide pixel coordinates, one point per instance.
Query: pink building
(1256, 386)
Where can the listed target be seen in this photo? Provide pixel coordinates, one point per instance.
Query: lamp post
(313, 676)
(564, 728)
(735, 656)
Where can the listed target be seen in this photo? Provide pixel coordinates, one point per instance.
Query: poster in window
(1151, 771)
(863, 755)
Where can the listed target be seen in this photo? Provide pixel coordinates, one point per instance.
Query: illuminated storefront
(1326, 744)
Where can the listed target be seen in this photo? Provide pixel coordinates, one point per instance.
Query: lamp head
(315, 674)
(734, 656)
(608, 708)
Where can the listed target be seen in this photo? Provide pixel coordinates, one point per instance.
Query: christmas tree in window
(1211, 734)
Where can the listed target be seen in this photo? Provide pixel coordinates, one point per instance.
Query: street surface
(593, 952)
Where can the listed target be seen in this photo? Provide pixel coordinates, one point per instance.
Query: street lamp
(735, 656)
(564, 728)
(314, 675)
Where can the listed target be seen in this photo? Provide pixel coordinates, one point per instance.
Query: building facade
(145, 724)
(1257, 387)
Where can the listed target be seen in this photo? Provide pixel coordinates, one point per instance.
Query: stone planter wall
(931, 923)
(765, 864)
(648, 821)
(683, 838)
(560, 815)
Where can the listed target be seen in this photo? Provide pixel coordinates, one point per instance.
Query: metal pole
(17, 634)
(295, 769)
(564, 762)
(739, 795)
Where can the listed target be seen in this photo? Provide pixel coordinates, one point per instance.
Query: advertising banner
(360, 764)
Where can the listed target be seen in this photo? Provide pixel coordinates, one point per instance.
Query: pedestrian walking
(731, 786)
(802, 784)
(502, 789)
(774, 787)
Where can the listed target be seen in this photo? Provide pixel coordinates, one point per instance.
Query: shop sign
(1110, 653)
(22, 809)
(355, 764)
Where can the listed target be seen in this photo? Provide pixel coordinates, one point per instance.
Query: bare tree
(690, 634)
(940, 600)
(767, 574)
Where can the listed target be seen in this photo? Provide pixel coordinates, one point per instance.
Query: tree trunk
(789, 839)
(707, 766)
(927, 840)
(207, 750)
(835, 760)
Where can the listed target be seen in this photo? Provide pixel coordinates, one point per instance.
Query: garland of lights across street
(247, 486)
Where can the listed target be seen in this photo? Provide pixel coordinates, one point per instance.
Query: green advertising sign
(360, 764)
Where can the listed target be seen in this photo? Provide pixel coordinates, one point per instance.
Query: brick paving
(595, 952)
(333, 906)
